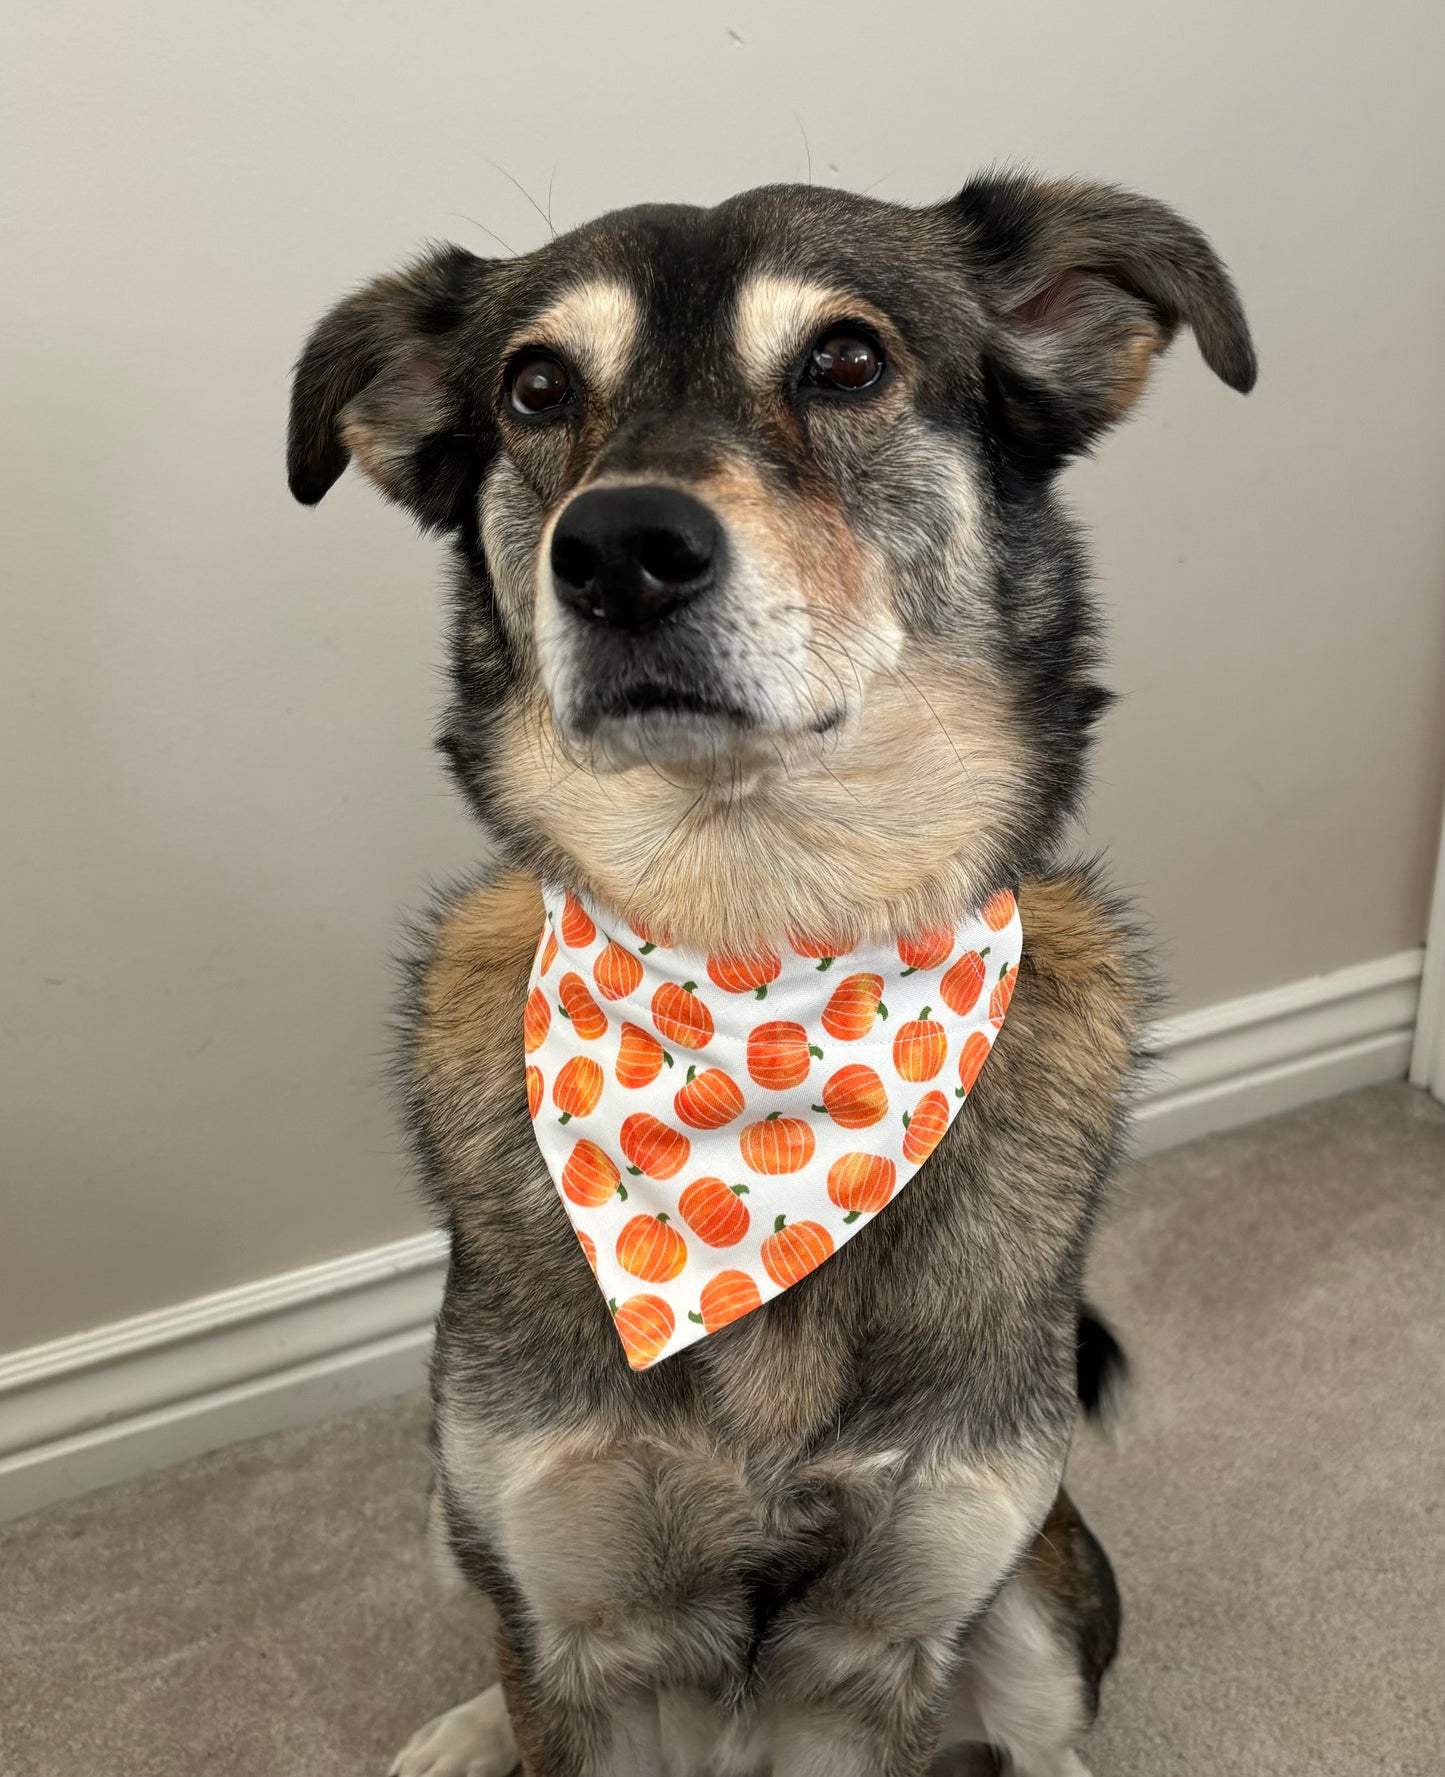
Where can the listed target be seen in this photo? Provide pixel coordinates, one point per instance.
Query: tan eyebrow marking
(777, 316)
(597, 325)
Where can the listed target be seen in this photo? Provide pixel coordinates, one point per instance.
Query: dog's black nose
(629, 555)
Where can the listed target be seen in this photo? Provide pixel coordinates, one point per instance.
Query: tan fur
(483, 951)
(800, 541)
(596, 325)
(732, 873)
(777, 316)
(1135, 364)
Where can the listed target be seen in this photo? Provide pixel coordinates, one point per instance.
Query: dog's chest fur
(946, 1326)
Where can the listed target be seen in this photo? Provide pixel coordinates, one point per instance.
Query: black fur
(1103, 1369)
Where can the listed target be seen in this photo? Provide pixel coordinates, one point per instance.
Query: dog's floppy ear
(378, 380)
(1084, 285)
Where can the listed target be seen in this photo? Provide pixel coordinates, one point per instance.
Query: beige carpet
(1273, 1504)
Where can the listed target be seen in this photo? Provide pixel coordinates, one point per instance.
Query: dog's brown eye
(539, 384)
(845, 361)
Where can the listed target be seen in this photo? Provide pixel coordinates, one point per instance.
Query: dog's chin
(699, 744)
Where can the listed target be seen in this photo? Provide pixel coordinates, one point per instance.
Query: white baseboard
(107, 1405)
(1248, 1058)
(140, 1394)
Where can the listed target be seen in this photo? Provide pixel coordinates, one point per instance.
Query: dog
(768, 618)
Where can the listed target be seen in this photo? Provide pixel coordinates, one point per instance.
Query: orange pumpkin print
(920, 1048)
(727, 1297)
(926, 950)
(779, 1055)
(970, 1061)
(861, 1183)
(644, 1324)
(827, 950)
(681, 1016)
(640, 1058)
(998, 1000)
(855, 1097)
(536, 1020)
(708, 1100)
(590, 1176)
(777, 1144)
(604, 1033)
(653, 1148)
(652, 1249)
(577, 1088)
(715, 1211)
(588, 1018)
(794, 1249)
(924, 1127)
(961, 986)
(856, 1002)
(745, 974)
(578, 930)
(617, 972)
(998, 910)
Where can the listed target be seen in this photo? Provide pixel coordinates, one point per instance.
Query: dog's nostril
(574, 561)
(672, 558)
(630, 555)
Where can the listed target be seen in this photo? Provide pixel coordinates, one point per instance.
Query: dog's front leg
(854, 1674)
(624, 1565)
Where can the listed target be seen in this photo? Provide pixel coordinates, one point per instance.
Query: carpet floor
(1272, 1501)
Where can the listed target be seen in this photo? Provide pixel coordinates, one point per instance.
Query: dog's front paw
(473, 1740)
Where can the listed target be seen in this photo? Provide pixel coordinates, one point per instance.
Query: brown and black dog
(768, 618)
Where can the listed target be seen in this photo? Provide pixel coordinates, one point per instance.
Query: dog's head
(767, 617)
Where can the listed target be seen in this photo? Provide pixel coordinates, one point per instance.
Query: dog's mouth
(698, 733)
(651, 697)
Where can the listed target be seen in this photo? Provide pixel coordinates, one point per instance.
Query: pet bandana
(717, 1126)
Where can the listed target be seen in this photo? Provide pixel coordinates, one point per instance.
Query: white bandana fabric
(718, 1126)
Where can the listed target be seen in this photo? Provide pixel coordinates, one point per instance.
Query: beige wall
(215, 707)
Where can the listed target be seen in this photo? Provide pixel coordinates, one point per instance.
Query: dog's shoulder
(1085, 989)
(473, 955)
(461, 1062)
(1084, 957)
